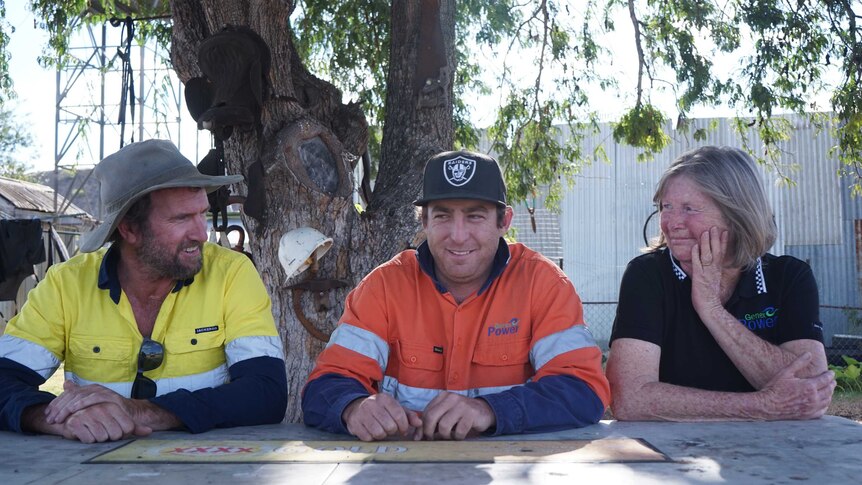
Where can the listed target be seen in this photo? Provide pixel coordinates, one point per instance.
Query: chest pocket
(101, 359)
(191, 353)
(516, 352)
(419, 356)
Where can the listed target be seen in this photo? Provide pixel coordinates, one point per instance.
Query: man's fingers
(462, 429)
(397, 415)
(76, 430)
(118, 426)
(446, 424)
(431, 416)
(386, 423)
(415, 423)
(81, 398)
(370, 431)
(377, 417)
(141, 430)
(413, 419)
(70, 390)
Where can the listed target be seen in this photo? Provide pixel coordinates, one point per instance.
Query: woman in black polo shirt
(709, 325)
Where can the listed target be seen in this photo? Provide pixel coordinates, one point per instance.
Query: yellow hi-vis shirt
(220, 317)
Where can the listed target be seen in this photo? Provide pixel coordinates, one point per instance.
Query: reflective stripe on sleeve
(416, 398)
(573, 338)
(244, 348)
(361, 341)
(29, 354)
(122, 388)
(212, 378)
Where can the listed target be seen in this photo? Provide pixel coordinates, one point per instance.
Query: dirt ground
(847, 406)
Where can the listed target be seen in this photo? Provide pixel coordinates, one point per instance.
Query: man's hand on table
(94, 413)
(452, 416)
(379, 416)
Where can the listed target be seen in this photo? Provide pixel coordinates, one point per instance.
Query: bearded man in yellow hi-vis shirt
(160, 330)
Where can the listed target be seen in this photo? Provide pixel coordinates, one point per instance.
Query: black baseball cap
(462, 175)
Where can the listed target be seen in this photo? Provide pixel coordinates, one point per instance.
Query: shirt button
(194, 341)
(504, 357)
(96, 349)
(413, 359)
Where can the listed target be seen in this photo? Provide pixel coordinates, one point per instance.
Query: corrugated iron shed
(605, 214)
(28, 196)
(546, 238)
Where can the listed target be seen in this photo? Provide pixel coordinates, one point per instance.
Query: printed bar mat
(612, 450)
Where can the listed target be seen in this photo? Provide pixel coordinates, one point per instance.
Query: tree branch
(641, 62)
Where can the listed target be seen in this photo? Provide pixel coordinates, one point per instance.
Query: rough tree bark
(300, 108)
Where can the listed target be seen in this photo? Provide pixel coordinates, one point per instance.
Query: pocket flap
(194, 342)
(420, 356)
(101, 348)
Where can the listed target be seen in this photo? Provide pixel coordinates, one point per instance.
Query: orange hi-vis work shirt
(403, 334)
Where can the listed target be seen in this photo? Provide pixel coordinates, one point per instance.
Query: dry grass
(54, 384)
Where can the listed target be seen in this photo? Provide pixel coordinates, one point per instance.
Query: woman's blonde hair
(727, 176)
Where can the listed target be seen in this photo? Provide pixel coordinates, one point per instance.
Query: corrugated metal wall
(603, 215)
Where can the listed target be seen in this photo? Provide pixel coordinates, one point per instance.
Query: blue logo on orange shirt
(503, 328)
(766, 318)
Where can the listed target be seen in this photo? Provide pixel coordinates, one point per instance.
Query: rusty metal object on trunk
(320, 288)
(240, 245)
(314, 155)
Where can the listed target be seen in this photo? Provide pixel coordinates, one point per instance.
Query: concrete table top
(823, 451)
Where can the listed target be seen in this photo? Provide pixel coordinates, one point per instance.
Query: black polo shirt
(777, 300)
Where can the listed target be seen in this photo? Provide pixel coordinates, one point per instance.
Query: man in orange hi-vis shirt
(465, 335)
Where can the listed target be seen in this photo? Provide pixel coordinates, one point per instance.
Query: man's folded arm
(19, 389)
(256, 394)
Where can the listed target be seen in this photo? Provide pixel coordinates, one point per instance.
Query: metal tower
(93, 96)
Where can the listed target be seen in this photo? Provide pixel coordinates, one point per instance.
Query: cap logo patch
(459, 170)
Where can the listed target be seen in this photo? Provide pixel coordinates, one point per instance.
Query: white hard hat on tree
(300, 248)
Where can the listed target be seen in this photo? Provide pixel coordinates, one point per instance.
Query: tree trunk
(300, 110)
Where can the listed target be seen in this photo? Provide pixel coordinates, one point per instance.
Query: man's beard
(165, 262)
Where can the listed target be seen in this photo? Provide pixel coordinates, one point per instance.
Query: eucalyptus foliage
(789, 54)
(13, 137)
(5, 79)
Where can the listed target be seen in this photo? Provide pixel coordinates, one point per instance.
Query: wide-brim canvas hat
(136, 170)
(462, 175)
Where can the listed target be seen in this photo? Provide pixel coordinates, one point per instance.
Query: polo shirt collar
(751, 283)
(108, 279)
(426, 263)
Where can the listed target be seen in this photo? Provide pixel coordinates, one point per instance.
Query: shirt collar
(752, 282)
(108, 279)
(426, 263)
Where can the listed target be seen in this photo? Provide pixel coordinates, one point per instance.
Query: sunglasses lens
(143, 388)
(151, 355)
